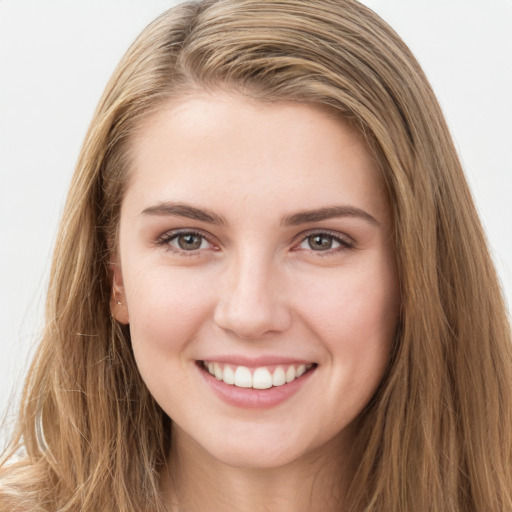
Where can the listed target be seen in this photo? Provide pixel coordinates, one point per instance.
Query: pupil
(320, 242)
(189, 242)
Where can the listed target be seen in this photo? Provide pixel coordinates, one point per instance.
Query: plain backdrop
(57, 55)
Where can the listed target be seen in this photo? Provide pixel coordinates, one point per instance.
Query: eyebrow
(304, 217)
(185, 210)
(328, 213)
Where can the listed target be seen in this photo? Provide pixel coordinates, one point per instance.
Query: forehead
(281, 153)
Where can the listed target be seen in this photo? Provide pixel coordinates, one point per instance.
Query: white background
(57, 55)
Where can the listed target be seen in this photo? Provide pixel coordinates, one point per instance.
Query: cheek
(356, 322)
(167, 308)
(167, 311)
(353, 306)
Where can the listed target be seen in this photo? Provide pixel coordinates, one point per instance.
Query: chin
(258, 457)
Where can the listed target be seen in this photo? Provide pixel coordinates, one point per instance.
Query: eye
(324, 242)
(184, 241)
(321, 242)
(188, 241)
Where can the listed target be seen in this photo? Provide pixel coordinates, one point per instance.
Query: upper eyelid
(165, 241)
(172, 233)
(335, 234)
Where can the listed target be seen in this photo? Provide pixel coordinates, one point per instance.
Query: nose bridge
(251, 302)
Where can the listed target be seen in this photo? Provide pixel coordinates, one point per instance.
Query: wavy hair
(437, 436)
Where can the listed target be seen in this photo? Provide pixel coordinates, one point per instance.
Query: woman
(271, 290)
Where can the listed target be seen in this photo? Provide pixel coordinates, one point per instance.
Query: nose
(252, 300)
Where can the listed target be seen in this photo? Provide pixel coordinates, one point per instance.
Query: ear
(118, 305)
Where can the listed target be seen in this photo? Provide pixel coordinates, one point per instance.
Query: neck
(194, 481)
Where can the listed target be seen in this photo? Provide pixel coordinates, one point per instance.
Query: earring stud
(116, 299)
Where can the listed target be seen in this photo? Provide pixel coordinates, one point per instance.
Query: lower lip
(250, 398)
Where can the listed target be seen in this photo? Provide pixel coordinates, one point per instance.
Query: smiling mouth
(257, 378)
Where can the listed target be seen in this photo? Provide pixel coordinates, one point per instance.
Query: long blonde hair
(437, 436)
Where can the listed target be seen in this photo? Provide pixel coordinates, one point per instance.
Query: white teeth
(261, 378)
(279, 377)
(290, 374)
(217, 370)
(229, 375)
(243, 377)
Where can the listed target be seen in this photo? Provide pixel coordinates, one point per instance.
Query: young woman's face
(256, 244)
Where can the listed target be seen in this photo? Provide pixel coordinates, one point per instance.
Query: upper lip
(255, 362)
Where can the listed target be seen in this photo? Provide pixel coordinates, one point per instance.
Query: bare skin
(208, 485)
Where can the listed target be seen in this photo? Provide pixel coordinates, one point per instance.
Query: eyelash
(344, 243)
(170, 236)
